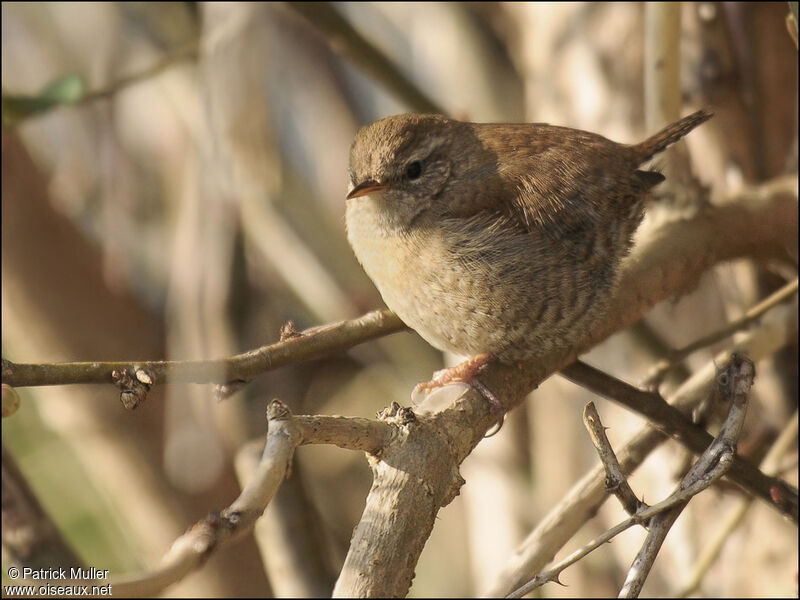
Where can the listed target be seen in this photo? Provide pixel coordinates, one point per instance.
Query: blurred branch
(733, 519)
(185, 52)
(662, 83)
(713, 463)
(349, 43)
(662, 94)
(70, 90)
(675, 357)
(295, 262)
(217, 530)
(30, 537)
(288, 534)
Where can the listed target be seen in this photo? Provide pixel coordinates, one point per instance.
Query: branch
(211, 534)
(673, 422)
(713, 463)
(758, 221)
(70, 89)
(769, 465)
(675, 357)
(615, 478)
(297, 347)
(734, 383)
(418, 474)
(344, 40)
(776, 329)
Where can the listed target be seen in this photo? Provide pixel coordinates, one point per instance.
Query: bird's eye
(414, 170)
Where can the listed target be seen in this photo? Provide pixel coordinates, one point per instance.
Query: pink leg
(465, 371)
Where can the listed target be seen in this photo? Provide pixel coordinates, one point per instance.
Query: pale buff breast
(460, 293)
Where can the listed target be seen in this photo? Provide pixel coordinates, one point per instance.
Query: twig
(712, 465)
(777, 328)
(734, 383)
(732, 520)
(615, 478)
(311, 343)
(661, 368)
(18, 108)
(185, 52)
(671, 421)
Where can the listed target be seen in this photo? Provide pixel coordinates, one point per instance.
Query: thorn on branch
(615, 481)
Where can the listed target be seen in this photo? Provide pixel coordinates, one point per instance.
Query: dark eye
(414, 170)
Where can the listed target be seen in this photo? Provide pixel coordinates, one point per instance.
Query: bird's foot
(466, 372)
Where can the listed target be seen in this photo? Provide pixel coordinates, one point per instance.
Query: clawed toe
(465, 372)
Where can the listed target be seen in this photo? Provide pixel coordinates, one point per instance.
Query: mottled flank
(497, 238)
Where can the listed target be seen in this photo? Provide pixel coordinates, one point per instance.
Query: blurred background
(173, 180)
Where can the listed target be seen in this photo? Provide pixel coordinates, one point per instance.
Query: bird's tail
(670, 134)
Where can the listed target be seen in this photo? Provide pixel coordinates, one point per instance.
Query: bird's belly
(467, 299)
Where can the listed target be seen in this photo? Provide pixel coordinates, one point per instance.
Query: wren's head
(403, 163)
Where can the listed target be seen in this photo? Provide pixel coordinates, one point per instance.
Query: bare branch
(734, 383)
(615, 479)
(346, 41)
(351, 433)
(732, 520)
(661, 368)
(673, 422)
(311, 343)
(775, 330)
(713, 464)
(191, 550)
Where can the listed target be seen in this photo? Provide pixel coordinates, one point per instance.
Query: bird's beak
(366, 187)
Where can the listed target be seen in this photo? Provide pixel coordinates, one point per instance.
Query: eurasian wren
(496, 240)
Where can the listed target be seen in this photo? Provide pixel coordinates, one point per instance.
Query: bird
(496, 241)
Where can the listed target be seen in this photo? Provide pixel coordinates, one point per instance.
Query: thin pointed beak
(366, 187)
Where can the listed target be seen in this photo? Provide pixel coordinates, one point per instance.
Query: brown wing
(562, 181)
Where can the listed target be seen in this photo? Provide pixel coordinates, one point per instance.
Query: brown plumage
(497, 239)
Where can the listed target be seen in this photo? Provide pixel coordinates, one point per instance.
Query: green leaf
(64, 90)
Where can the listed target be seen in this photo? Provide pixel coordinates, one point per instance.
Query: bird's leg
(465, 371)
